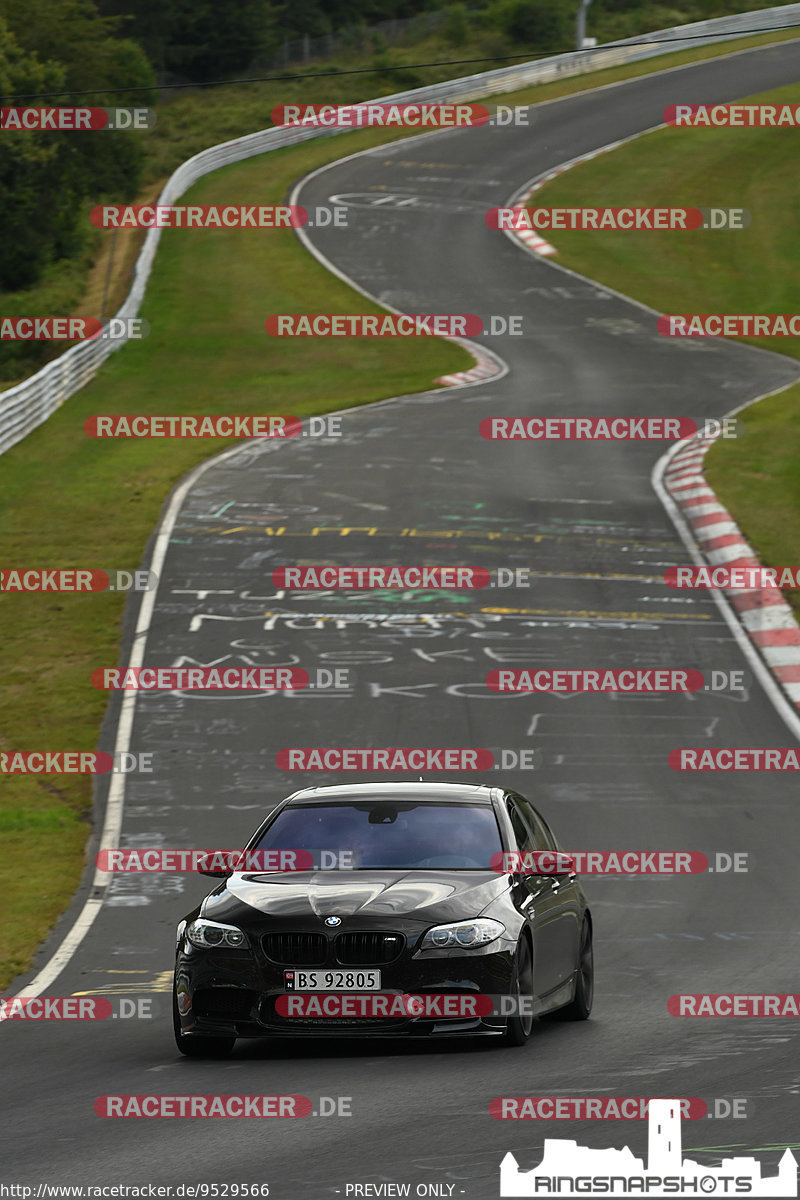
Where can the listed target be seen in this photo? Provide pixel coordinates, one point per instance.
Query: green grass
(68, 500)
(757, 478)
(189, 121)
(749, 271)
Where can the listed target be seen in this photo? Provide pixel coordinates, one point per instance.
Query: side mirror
(565, 865)
(205, 867)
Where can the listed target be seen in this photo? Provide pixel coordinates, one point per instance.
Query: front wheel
(198, 1047)
(520, 1024)
(580, 1007)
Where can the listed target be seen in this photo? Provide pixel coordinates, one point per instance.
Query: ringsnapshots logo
(570, 1170)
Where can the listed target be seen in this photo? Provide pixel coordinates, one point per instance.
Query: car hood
(428, 895)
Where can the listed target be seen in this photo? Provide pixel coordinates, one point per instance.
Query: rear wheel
(520, 1023)
(579, 1008)
(198, 1046)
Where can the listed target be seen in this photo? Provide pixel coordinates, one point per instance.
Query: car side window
(522, 833)
(543, 839)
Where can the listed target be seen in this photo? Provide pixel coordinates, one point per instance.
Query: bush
(542, 25)
(455, 29)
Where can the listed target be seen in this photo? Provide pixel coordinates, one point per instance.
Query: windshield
(391, 835)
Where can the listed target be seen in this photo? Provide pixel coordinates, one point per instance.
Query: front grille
(225, 1003)
(368, 949)
(296, 949)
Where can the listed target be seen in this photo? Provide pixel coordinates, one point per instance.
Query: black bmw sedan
(403, 915)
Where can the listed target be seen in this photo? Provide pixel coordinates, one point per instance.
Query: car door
(553, 901)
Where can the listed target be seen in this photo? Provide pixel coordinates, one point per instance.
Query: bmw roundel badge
(333, 921)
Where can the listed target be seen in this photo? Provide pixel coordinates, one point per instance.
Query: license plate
(332, 981)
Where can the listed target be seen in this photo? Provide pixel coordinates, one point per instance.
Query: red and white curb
(534, 241)
(487, 367)
(763, 613)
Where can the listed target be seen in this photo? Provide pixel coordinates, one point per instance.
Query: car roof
(418, 791)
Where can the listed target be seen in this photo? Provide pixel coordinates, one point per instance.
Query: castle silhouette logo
(568, 1169)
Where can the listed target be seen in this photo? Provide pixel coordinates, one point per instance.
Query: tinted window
(541, 834)
(521, 831)
(389, 835)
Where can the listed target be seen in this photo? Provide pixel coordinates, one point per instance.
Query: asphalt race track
(410, 481)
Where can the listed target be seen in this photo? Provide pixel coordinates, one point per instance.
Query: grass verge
(749, 271)
(190, 121)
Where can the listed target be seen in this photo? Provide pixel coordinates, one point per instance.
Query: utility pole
(580, 24)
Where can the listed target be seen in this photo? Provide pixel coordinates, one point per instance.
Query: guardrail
(31, 402)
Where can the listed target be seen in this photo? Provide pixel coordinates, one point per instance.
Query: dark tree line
(46, 177)
(75, 46)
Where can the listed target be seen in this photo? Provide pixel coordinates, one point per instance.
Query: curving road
(409, 480)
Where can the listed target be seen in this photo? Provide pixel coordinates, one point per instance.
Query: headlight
(462, 935)
(208, 935)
